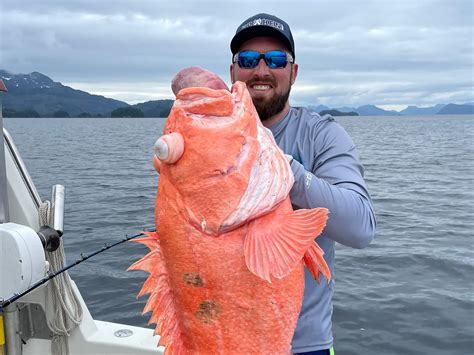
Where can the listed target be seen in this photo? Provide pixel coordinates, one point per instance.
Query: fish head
(229, 168)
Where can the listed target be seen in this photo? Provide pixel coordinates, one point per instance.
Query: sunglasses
(273, 59)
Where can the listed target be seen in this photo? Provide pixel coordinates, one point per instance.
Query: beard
(267, 108)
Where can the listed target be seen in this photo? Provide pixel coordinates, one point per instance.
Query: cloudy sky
(351, 52)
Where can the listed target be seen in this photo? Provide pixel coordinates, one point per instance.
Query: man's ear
(294, 73)
(232, 73)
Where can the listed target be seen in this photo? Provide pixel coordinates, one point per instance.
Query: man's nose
(261, 69)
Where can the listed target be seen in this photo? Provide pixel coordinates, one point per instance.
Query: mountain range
(37, 95)
(371, 110)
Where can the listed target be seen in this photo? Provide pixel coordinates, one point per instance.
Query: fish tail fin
(276, 243)
(315, 263)
(161, 301)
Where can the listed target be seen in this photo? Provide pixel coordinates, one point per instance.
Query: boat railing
(21, 167)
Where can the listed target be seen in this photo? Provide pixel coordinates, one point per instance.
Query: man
(322, 156)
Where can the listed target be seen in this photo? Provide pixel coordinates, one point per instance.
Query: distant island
(335, 113)
(37, 95)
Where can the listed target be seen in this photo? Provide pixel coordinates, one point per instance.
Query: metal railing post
(4, 211)
(12, 330)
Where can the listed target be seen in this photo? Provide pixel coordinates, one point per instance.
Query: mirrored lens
(276, 59)
(248, 59)
(273, 59)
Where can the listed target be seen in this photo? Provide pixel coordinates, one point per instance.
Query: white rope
(63, 310)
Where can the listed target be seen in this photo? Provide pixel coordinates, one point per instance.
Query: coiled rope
(63, 309)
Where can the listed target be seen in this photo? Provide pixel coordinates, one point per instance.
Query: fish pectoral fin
(275, 244)
(315, 263)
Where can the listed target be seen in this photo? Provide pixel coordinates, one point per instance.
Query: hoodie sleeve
(336, 182)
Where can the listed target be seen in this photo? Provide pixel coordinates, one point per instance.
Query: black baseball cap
(263, 25)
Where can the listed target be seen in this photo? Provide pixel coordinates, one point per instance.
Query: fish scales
(228, 300)
(226, 262)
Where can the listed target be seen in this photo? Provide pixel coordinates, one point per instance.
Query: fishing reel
(22, 250)
(50, 238)
(50, 234)
(22, 259)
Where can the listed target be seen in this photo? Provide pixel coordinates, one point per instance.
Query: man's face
(269, 88)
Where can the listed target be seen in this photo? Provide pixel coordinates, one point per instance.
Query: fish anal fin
(276, 243)
(315, 263)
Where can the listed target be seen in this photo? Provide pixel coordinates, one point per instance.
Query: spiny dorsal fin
(151, 240)
(161, 300)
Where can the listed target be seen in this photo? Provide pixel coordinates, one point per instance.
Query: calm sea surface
(410, 292)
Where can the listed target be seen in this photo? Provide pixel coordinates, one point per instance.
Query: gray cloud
(349, 52)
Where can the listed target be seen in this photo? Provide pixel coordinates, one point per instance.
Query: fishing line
(52, 275)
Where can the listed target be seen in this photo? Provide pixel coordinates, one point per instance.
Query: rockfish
(227, 260)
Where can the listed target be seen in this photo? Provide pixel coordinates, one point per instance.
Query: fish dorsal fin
(275, 244)
(161, 300)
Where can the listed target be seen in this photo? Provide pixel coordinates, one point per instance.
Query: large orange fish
(227, 260)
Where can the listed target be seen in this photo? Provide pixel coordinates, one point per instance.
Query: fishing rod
(52, 275)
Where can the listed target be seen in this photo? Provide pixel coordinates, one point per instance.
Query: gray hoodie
(327, 174)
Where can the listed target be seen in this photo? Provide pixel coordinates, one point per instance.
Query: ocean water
(410, 292)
